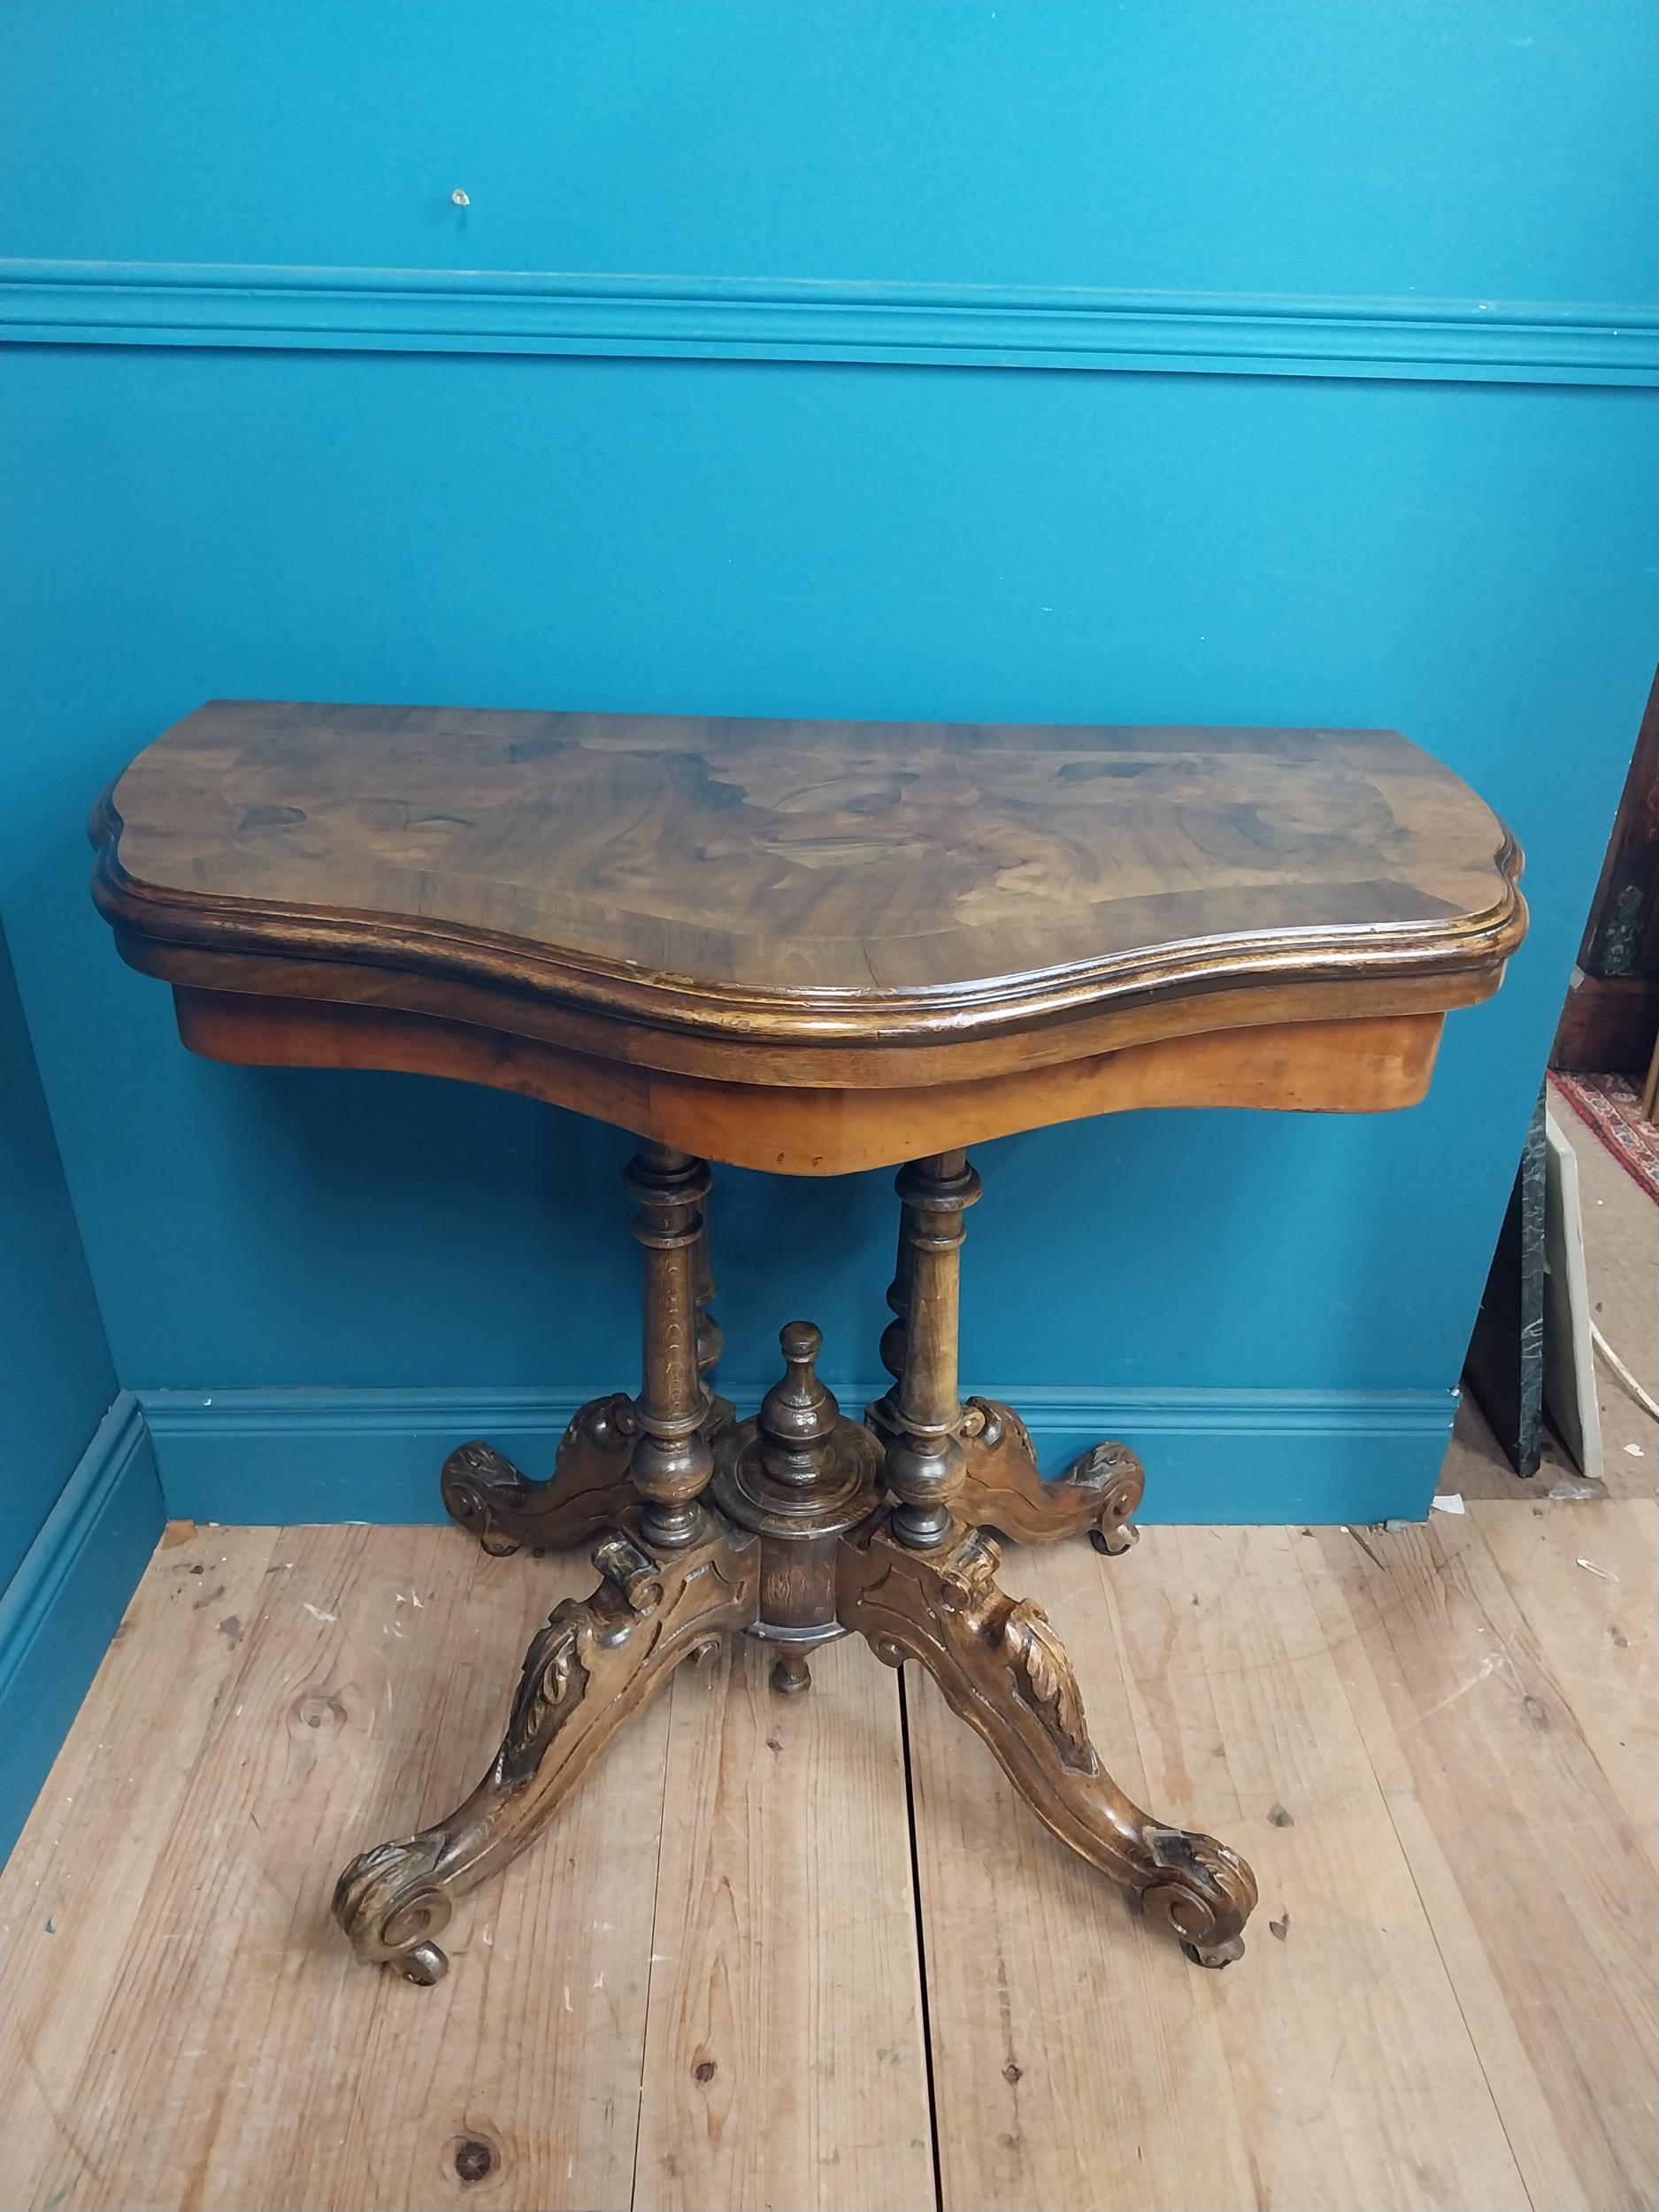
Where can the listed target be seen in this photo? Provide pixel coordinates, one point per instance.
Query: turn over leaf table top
(804, 905)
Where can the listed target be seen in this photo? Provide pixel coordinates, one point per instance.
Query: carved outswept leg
(1003, 1490)
(1004, 1671)
(589, 1490)
(596, 1662)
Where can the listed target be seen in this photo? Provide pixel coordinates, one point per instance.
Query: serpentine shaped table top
(829, 907)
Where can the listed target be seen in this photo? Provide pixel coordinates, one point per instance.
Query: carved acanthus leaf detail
(551, 1668)
(1047, 1683)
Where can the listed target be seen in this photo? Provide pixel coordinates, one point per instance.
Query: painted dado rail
(431, 311)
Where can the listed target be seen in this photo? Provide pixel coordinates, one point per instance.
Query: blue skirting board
(317, 1455)
(65, 1602)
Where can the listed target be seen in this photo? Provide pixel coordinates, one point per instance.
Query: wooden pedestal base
(797, 1526)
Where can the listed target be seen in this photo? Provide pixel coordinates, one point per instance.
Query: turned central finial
(798, 1412)
(801, 1341)
(799, 1469)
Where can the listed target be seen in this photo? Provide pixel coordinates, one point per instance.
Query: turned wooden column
(885, 1412)
(671, 1461)
(923, 1465)
(710, 1335)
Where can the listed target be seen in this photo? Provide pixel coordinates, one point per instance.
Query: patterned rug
(1612, 1106)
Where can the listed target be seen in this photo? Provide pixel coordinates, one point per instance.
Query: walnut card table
(810, 947)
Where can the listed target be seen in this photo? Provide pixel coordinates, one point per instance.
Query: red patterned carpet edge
(1611, 1105)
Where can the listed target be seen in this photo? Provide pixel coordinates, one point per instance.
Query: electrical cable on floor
(1642, 1398)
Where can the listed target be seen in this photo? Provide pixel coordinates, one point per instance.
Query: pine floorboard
(812, 1952)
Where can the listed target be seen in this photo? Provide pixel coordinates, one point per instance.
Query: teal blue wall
(305, 479)
(56, 1375)
(1496, 149)
(79, 1501)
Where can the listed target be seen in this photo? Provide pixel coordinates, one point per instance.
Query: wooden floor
(713, 1984)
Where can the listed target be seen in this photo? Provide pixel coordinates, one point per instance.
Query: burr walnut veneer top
(839, 904)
